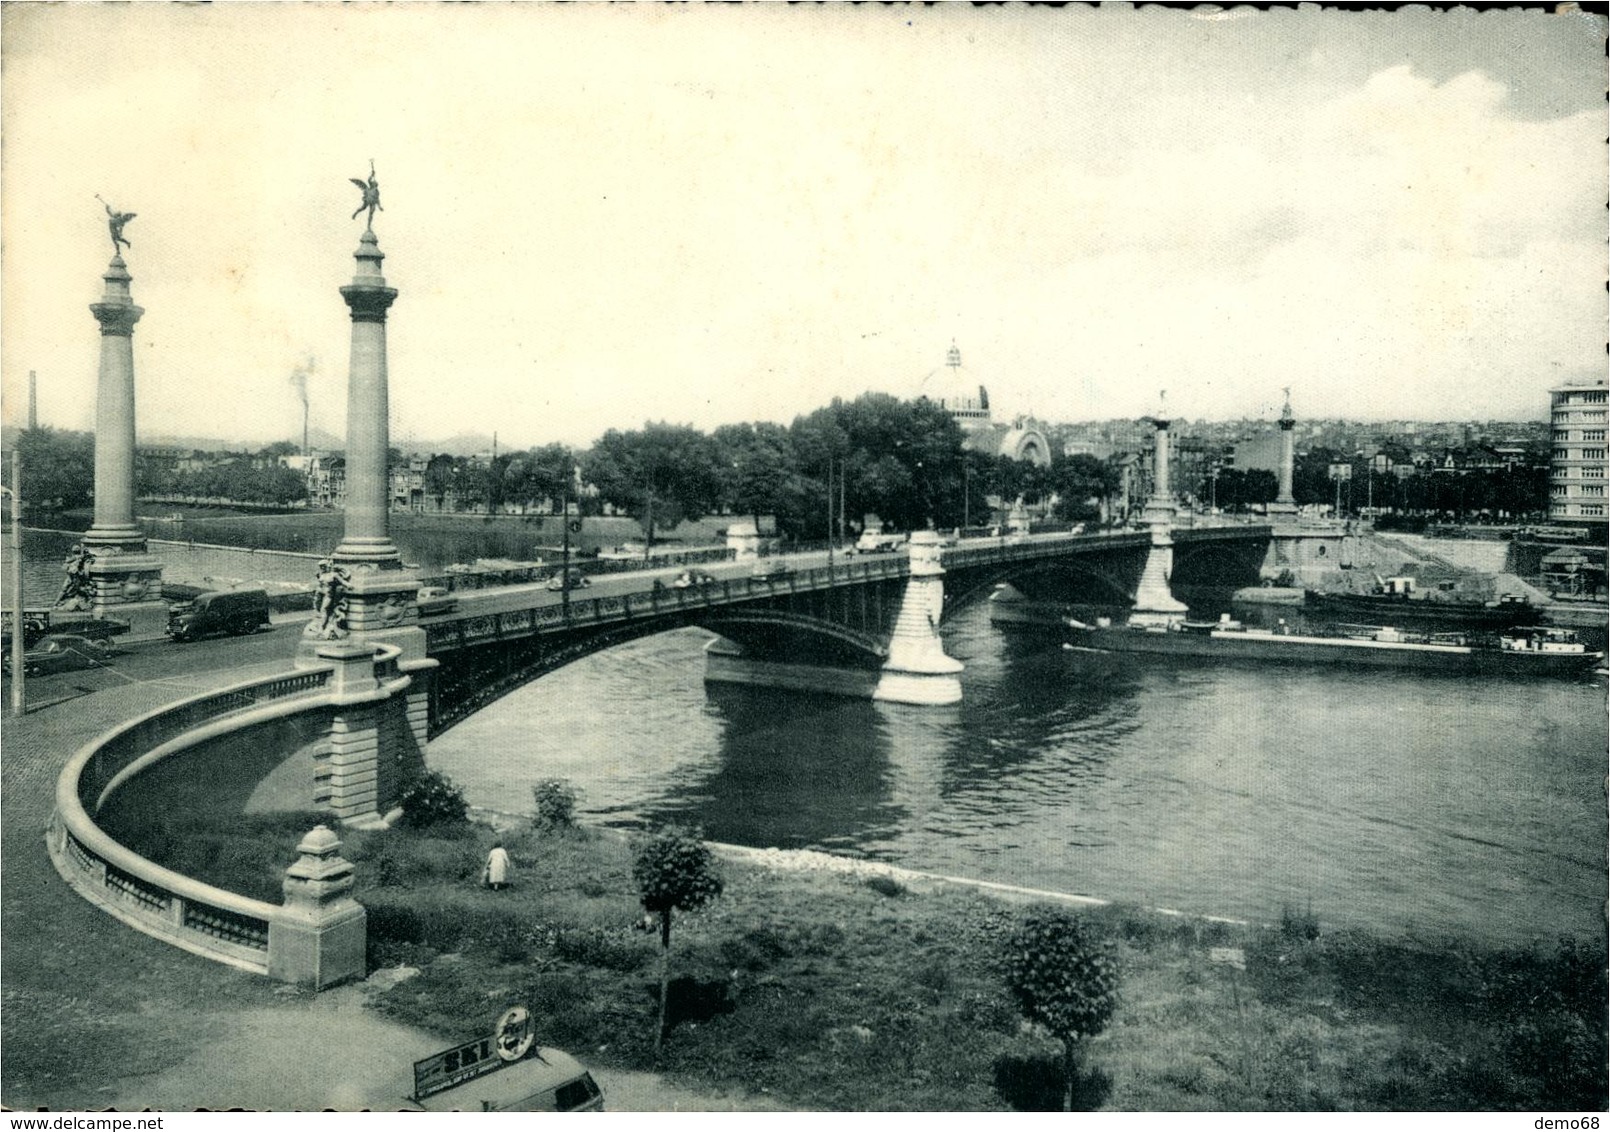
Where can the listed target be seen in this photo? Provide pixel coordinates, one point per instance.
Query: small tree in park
(1065, 977)
(673, 870)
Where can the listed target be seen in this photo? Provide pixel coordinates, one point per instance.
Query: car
(62, 652)
(221, 611)
(690, 578)
(578, 580)
(878, 542)
(435, 599)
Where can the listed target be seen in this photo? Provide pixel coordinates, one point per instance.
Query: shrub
(1064, 977)
(433, 799)
(555, 805)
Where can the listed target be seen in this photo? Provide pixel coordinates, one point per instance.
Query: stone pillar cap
(320, 841)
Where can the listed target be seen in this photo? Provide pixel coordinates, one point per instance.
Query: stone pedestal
(319, 937)
(1017, 521)
(743, 539)
(918, 671)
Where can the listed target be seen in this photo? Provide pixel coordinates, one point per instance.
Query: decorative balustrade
(652, 602)
(183, 911)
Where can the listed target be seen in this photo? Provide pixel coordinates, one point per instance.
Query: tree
(661, 473)
(58, 468)
(439, 478)
(1064, 977)
(1082, 483)
(673, 870)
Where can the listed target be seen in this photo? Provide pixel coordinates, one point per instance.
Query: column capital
(367, 302)
(117, 319)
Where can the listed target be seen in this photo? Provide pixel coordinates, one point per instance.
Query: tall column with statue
(366, 597)
(1154, 601)
(1285, 503)
(111, 573)
(364, 592)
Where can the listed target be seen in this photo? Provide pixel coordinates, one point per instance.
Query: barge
(1520, 651)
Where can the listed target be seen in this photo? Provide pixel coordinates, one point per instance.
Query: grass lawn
(825, 992)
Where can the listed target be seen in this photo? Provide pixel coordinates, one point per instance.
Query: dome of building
(956, 389)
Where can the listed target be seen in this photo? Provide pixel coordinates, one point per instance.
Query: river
(1406, 804)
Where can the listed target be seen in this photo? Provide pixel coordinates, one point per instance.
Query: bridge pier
(1154, 601)
(918, 671)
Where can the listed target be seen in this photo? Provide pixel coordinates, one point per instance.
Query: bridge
(801, 621)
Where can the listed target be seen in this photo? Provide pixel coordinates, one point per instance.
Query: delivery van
(544, 1080)
(221, 611)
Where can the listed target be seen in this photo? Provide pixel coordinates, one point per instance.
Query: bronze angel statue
(115, 221)
(371, 195)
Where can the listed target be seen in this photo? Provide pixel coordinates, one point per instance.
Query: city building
(1577, 462)
(955, 390)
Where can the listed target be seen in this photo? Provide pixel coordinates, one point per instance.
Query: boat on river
(1520, 651)
(1395, 602)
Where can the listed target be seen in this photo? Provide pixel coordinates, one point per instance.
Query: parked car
(435, 599)
(689, 578)
(578, 580)
(62, 652)
(221, 611)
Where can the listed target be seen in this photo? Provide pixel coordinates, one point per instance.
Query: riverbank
(815, 982)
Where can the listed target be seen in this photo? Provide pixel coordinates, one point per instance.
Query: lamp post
(19, 644)
(564, 525)
(967, 490)
(830, 513)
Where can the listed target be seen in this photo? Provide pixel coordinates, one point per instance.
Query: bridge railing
(777, 579)
(198, 917)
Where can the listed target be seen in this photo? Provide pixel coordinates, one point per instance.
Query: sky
(601, 216)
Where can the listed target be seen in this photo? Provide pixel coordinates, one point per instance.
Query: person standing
(497, 867)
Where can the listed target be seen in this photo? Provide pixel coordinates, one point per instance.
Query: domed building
(956, 390)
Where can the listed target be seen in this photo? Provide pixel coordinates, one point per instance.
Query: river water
(1407, 804)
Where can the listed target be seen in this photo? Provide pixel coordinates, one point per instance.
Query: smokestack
(33, 400)
(299, 378)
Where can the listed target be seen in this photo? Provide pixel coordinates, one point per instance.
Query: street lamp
(19, 644)
(564, 524)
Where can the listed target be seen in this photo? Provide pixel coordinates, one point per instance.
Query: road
(164, 664)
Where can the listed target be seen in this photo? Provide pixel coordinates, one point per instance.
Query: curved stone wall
(181, 910)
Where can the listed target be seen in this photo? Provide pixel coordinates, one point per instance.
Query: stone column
(918, 671)
(318, 938)
(1154, 602)
(366, 593)
(119, 579)
(367, 537)
(1285, 503)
